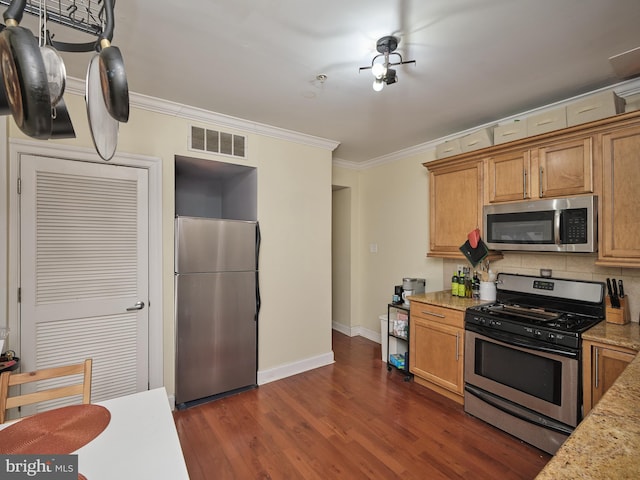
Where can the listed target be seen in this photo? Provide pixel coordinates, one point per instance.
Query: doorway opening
(341, 259)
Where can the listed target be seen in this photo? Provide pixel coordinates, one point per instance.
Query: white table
(140, 442)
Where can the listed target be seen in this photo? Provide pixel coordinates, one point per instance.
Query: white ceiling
(476, 61)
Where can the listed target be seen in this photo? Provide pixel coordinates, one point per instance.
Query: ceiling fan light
(391, 76)
(378, 84)
(378, 70)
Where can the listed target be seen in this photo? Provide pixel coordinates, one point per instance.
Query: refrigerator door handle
(257, 295)
(137, 306)
(258, 240)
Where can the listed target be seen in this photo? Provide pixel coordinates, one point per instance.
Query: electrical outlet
(460, 267)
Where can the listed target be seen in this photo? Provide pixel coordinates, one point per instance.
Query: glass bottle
(454, 284)
(476, 286)
(461, 287)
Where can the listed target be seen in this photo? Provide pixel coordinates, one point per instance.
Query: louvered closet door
(84, 261)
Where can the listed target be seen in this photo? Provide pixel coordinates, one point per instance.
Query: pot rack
(25, 76)
(86, 16)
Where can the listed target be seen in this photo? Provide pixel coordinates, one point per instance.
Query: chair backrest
(9, 379)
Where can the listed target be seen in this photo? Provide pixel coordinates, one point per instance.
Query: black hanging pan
(113, 79)
(4, 102)
(24, 75)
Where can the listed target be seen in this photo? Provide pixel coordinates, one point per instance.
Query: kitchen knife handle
(613, 294)
(621, 288)
(614, 284)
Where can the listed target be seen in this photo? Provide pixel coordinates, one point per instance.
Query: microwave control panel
(574, 226)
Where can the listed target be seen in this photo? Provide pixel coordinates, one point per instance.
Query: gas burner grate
(525, 312)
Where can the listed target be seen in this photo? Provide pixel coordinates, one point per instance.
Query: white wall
(294, 198)
(392, 206)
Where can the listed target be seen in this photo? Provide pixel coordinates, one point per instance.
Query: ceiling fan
(381, 71)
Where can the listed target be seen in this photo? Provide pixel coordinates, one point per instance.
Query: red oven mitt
(474, 238)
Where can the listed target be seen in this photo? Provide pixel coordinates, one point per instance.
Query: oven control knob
(551, 337)
(537, 333)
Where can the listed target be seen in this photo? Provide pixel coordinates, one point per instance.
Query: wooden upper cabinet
(600, 157)
(566, 168)
(620, 200)
(509, 176)
(455, 206)
(556, 170)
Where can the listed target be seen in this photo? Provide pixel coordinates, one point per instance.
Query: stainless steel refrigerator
(217, 301)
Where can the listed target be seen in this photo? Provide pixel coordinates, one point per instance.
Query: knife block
(619, 316)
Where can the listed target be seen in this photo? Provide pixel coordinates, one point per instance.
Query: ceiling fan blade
(626, 64)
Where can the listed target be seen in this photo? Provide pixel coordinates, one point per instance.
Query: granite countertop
(445, 299)
(627, 336)
(607, 441)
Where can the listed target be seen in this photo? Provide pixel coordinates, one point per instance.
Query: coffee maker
(412, 286)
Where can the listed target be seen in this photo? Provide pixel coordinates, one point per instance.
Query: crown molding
(166, 107)
(623, 89)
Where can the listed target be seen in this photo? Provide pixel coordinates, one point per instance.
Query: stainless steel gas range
(522, 356)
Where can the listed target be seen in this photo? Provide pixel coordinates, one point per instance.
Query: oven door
(530, 380)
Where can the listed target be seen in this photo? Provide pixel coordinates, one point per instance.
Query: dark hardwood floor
(351, 420)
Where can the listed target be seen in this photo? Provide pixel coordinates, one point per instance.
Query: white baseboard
(372, 335)
(287, 370)
(342, 328)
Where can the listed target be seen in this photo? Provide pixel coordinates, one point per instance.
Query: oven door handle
(523, 342)
(523, 414)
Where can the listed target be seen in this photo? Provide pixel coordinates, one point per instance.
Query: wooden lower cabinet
(602, 364)
(436, 352)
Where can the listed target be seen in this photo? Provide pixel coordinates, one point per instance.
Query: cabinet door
(566, 168)
(509, 177)
(436, 354)
(456, 207)
(620, 204)
(608, 364)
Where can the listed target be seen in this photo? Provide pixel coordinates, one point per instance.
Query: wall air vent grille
(212, 141)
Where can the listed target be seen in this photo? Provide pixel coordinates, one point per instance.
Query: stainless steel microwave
(567, 224)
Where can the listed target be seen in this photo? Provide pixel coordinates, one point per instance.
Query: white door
(84, 270)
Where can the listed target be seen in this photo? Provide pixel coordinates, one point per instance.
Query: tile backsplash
(572, 266)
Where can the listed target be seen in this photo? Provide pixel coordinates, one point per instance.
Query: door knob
(137, 306)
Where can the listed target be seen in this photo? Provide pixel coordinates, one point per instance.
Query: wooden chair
(7, 379)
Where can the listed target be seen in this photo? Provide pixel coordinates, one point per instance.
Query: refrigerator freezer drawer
(216, 334)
